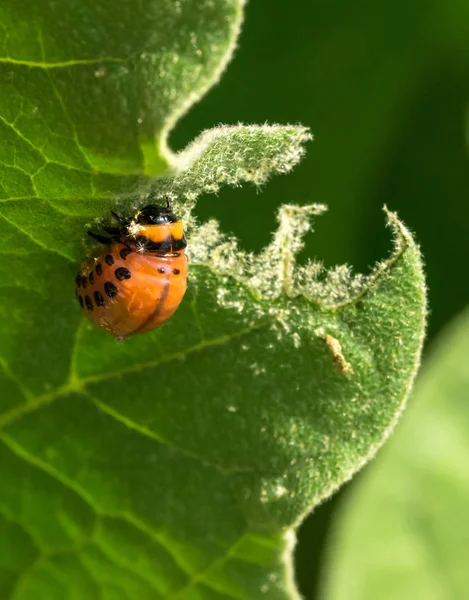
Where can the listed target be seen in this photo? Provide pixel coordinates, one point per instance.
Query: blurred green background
(384, 86)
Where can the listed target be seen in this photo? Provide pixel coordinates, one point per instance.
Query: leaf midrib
(194, 578)
(64, 63)
(76, 384)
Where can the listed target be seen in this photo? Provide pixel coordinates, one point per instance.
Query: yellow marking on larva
(160, 233)
(335, 349)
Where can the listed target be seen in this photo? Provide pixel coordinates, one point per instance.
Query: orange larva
(139, 280)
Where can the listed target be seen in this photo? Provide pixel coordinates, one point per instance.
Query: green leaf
(97, 88)
(176, 464)
(233, 155)
(402, 533)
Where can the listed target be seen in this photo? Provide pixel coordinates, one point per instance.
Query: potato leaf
(176, 464)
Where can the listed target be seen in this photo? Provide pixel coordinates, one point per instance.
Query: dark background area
(384, 87)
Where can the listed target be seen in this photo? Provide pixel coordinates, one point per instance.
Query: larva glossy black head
(131, 228)
(156, 215)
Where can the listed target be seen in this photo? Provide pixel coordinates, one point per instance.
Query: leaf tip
(403, 237)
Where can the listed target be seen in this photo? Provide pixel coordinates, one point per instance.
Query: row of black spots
(87, 301)
(121, 272)
(165, 270)
(110, 290)
(82, 281)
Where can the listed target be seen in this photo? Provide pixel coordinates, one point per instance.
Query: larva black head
(156, 215)
(153, 214)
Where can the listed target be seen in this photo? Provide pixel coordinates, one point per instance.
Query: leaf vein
(8, 516)
(36, 241)
(201, 576)
(61, 64)
(78, 385)
(220, 341)
(155, 436)
(127, 517)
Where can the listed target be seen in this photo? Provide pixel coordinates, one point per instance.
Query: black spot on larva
(80, 300)
(89, 304)
(91, 277)
(109, 259)
(78, 280)
(99, 269)
(176, 271)
(122, 273)
(125, 253)
(161, 270)
(84, 281)
(98, 298)
(110, 289)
